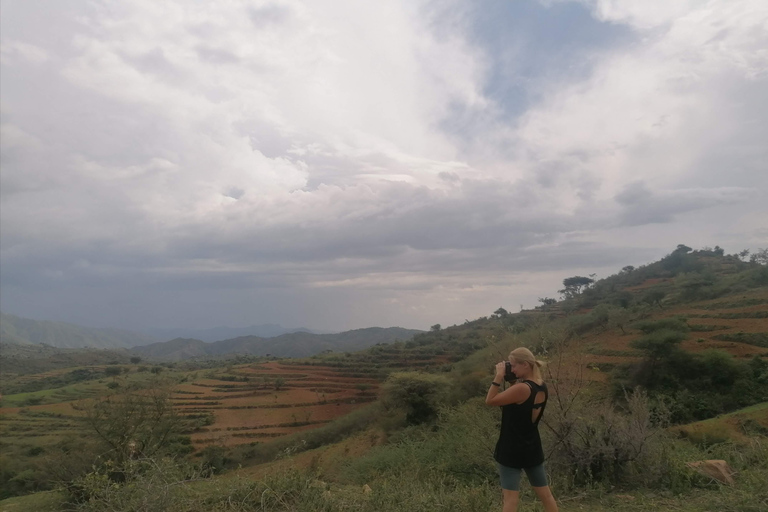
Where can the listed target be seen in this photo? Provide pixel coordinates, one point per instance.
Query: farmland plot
(269, 400)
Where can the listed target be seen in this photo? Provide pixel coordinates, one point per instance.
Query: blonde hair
(523, 355)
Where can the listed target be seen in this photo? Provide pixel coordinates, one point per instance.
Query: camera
(509, 375)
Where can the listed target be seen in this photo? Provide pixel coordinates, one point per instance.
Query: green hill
(649, 369)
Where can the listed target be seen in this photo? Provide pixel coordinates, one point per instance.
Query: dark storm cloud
(330, 165)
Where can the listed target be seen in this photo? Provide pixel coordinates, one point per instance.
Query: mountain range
(224, 333)
(271, 340)
(296, 344)
(25, 331)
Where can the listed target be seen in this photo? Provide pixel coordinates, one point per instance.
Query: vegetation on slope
(687, 330)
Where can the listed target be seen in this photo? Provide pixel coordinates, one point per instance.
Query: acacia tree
(573, 286)
(136, 423)
(760, 256)
(419, 395)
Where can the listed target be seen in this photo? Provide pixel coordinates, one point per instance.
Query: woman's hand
(500, 371)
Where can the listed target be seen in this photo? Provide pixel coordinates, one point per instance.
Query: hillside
(649, 369)
(297, 344)
(19, 330)
(31, 359)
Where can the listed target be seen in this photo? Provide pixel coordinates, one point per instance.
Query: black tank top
(519, 444)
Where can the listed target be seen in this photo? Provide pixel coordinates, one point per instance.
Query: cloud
(13, 51)
(381, 156)
(642, 206)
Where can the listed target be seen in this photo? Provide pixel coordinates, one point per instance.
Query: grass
(743, 303)
(303, 492)
(758, 339)
(48, 501)
(432, 472)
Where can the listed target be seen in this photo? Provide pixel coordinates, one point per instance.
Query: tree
(136, 423)
(760, 257)
(547, 301)
(135, 359)
(435, 328)
(654, 297)
(573, 286)
(659, 344)
(500, 313)
(628, 269)
(619, 317)
(418, 394)
(112, 370)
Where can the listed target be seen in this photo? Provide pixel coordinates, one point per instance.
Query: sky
(338, 164)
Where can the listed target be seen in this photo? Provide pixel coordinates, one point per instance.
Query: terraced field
(737, 325)
(270, 400)
(229, 404)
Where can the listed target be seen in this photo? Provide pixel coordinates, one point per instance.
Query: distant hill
(297, 344)
(22, 359)
(25, 331)
(224, 333)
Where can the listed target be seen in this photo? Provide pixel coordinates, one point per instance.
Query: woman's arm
(516, 394)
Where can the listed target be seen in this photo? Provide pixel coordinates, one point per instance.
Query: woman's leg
(510, 500)
(510, 486)
(545, 495)
(537, 475)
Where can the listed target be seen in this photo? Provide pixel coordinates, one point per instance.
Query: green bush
(608, 445)
(675, 323)
(659, 343)
(459, 445)
(418, 395)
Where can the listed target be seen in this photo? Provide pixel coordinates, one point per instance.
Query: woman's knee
(510, 499)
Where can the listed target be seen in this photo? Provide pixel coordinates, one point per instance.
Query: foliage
(573, 286)
(460, 444)
(759, 339)
(659, 344)
(340, 428)
(134, 423)
(607, 445)
(699, 386)
(419, 395)
(146, 484)
(676, 323)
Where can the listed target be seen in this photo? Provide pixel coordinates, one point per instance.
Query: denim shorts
(510, 477)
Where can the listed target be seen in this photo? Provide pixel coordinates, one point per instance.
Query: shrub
(676, 323)
(459, 445)
(148, 485)
(136, 422)
(419, 395)
(659, 344)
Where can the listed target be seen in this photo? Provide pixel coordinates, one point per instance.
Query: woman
(519, 445)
